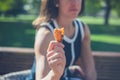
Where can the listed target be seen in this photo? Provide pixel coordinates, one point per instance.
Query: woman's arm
(44, 69)
(40, 48)
(87, 60)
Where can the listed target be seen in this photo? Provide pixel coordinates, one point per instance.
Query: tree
(36, 6)
(111, 4)
(108, 10)
(12, 7)
(92, 7)
(5, 5)
(116, 6)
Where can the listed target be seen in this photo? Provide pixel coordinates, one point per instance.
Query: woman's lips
(74, 10)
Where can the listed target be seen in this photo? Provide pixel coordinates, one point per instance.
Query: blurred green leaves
(6, 5)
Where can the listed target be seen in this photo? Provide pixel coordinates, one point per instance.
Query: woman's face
(69, 8)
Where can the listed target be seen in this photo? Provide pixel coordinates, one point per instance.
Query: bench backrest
(107, 65)
(17, 59)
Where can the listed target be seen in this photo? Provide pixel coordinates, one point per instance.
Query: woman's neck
(66, 23)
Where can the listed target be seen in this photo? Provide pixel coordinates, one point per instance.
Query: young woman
(69, 60)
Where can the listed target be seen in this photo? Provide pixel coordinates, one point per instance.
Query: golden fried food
(58, 34)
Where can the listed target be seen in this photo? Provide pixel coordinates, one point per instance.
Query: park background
(102, 16)
(17, 36)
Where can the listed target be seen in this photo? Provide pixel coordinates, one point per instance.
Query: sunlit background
(102, 16)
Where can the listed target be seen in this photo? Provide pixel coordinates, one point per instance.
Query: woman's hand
(56, 58)
(77, 71)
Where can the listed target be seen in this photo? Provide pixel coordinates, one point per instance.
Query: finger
(59, 49)
(55, 62)
(50, 53)
(56, 50)
(53, 44)
(55, 56)
(60, 52)
(57, 53)
(77, 69)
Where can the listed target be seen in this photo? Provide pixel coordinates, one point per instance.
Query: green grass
(110, 39)
(104, 37)
(102, 42)
(100, 20)
(19, 32)
(19, 18)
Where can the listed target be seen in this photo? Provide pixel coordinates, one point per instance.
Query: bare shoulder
(86, 27)
(42, 39)
(86, 32)
(44, 34)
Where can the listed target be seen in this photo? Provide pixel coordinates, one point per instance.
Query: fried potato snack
(58, 34)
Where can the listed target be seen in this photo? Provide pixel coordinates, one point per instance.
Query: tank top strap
(49, 25)
(81, 28)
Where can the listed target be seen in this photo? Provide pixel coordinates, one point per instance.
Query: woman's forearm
(91, 76)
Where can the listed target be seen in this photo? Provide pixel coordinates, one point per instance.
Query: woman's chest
(72, 52)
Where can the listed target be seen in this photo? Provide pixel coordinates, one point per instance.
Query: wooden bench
(18, 59)
(15, 59)
(107, 65)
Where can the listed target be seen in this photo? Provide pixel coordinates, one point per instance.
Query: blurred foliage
(18, 31)
(92, 7)
(116, 6)
(22, 34)
(15, 7)
(6, 5)
(12, 7)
